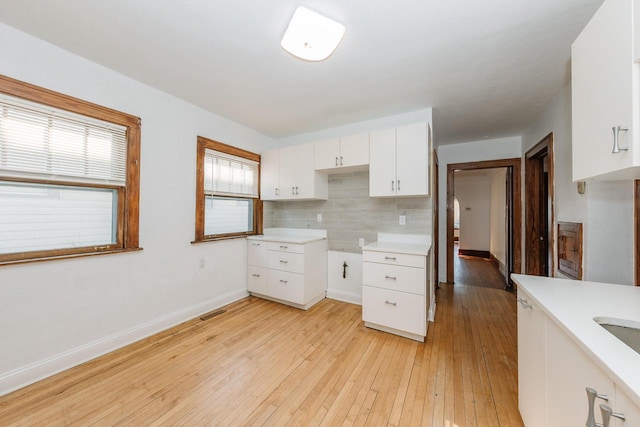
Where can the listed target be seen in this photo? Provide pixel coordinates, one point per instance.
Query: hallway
(476, 271)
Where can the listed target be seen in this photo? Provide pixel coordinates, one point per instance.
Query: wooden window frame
(203, 145)
(128, 221)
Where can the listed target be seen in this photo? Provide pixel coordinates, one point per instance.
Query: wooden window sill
(217, 239)
(68, 256)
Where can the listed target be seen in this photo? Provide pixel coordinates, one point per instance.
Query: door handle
(616, 142)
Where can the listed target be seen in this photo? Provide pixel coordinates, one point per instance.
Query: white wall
(606, 209)
(494, 149)
(474, 195)
(498, 216)
(57, 313)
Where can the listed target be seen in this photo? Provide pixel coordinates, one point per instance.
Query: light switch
(403, 220)
(319, 217)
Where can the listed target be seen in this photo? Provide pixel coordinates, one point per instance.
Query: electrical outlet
(361, 242)
(319, 217)
(403, 220)
(201, 263)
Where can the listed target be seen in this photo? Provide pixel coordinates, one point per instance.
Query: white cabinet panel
(605, 94)
(394, 258)
(399, 161)
(257, 279)
(286, 286)
(626, 407)
(286, 247)
(327, 154)
(397, 310)
(395, 277)
(270, 175)
(412, 160)
(257, 253)
(354, 150)
(569, 372)
(285, 261)
(382, 163)
(532, 363)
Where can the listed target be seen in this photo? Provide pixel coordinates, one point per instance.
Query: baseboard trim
(498, 264)
(29, 374)
(471, 252)
(345, 296)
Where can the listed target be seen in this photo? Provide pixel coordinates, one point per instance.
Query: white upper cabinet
(636, 39)
(347, 153)
(605, 95)
(399, 161)
(296, 176)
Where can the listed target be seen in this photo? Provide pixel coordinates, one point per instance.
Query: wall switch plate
(403, 220)
(361, 242)
(319, 217)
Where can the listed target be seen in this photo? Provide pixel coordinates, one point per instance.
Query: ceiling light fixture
(311, 36)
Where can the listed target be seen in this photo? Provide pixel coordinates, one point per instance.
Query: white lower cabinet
(394, 297)
(290, 273)
(554, 374)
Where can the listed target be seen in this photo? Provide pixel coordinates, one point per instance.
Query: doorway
(513, 213)
(539, 231)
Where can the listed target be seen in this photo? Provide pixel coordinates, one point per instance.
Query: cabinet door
(382, 166)
(626, 407)
(304, 171)
(412, 160)
(270, 175)
(603, 91)
(288, 171)
(354, 150)
(327, 154)
(532, 365)
(569, 372)
(636, 32)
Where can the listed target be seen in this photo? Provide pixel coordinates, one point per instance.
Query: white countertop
(290, 235)
(573, 304)
(411, 244)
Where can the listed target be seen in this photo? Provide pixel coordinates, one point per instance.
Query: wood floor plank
(261, 363)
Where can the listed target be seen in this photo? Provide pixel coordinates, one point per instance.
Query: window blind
(227, 175)
(37, 141)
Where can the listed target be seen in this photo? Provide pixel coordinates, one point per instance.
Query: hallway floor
(476, 271)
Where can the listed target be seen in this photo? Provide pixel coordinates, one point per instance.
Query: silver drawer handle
(283, 261)
(283, 247)
(256, 244)
(592, 394)
(255, 275)
(524, 303)
(390, 303)
(391, 277)
(616, 144)
(284, 281)
(607, 413)
(390, 258)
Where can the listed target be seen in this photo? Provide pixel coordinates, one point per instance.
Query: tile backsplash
(350, 213)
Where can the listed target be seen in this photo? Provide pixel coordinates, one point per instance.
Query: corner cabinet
(289, 174)
(289, 273)
(605, 94)
(399, 161)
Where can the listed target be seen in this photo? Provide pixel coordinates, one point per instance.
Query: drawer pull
(283, 247)
(390, 258)
(256, 244)
(390, 303)
(283, 261)
(524, 303)
(607, 413)
(592, 394)
(284, 281)
(391, 277)
(255, 275)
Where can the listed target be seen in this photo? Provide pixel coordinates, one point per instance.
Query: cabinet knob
(392, 189)
(591, 397)
(277, 192)
(284, 281)
(283, 261)
(256, 244)
(341, 161)
(390, 303)
(390, 258)
(616, 142)
(391, 277)
(283, 247)
(255, 275)
(398, 185)
(336, 161)
(607, 413)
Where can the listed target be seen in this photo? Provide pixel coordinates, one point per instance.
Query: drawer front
(285, 261)
(286, 247)
(398, 310)
(257, 253)
(395, 277)
(286, 286)
(257, 279)
(418, 261)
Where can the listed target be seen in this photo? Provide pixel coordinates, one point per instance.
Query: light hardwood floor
(262, 363)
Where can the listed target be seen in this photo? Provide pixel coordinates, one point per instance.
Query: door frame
(516, 211)
(532, 230)
(436, 218)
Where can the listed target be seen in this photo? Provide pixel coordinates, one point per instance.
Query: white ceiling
(486, 67)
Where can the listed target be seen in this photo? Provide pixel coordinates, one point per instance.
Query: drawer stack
(290, 273)
(394, 293)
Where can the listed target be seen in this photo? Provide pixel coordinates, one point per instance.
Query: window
(227, 188)
(69, 176)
